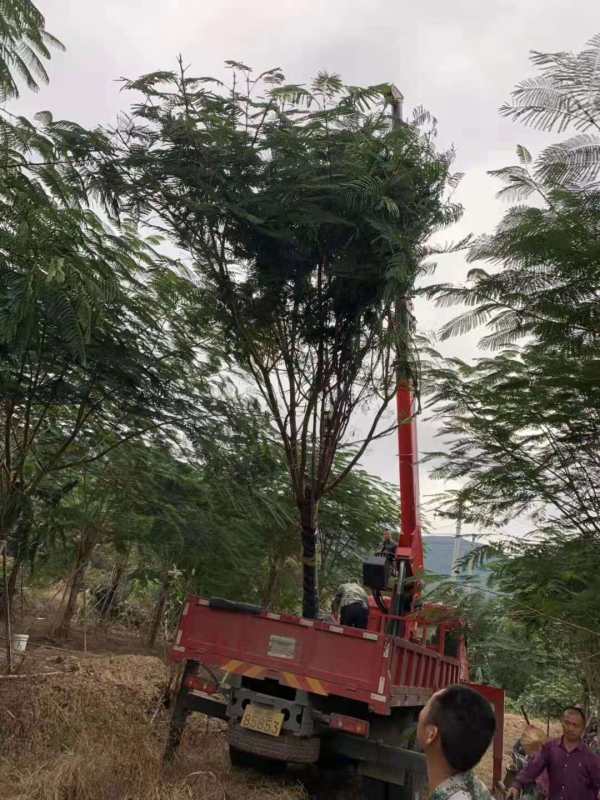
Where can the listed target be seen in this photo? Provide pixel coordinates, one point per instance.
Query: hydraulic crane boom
(410, 544)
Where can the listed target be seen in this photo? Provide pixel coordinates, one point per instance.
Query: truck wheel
(243, 760)
(374, 789)
(286, 748)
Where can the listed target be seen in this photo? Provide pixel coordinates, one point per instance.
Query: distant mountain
(439, 551)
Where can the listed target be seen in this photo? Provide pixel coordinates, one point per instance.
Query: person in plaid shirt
(454, 731)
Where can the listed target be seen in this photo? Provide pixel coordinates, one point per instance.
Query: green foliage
(547, 282)
(520, 428)
(95, 343)
(221, 518)
(563, 96)
(554, 584)
(24, 45)
(549, 693)
(521, 434)
(513, 646)
(548, 279)
(305, 215)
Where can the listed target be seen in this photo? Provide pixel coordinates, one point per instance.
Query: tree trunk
(84, 552)
(7, 611)
(310, 592)
(109, 598)
(271, 589)
(21, 539)
(159, 611)
(13, 579)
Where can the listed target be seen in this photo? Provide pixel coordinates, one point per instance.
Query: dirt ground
(90, 726)
(96, 731)
(514, 725)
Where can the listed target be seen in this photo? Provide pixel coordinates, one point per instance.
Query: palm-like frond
(574, 161)
(465, 323)
(518, 182)
(24, 45)
(541, 104)
(565, 95)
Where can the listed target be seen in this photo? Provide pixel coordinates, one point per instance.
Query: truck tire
(285, 748)
(243, 760)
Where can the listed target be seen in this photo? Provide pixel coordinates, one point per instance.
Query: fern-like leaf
(24, 45)
(574, 161)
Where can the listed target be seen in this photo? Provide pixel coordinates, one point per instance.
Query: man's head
(573, 724)
(456, 727)
(387, 535)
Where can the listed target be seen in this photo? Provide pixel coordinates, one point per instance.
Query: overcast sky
(459, 59)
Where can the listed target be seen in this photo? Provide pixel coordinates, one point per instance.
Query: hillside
(96, 732)
(439, 553)
(94, 729)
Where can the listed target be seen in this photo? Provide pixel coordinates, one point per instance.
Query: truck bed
(317, 657)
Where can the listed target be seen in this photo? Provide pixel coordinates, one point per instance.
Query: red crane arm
(410, 543)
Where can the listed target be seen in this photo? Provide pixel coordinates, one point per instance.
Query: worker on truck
(351, 605)
(388, 547)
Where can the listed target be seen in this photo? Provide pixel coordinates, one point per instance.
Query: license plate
(263, 720)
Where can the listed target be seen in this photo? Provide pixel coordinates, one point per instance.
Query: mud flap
(496, 698)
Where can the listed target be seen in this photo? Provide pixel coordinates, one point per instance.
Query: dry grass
(90, 735)
(94, 734)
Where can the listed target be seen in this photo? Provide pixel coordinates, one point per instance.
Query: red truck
(305, 691)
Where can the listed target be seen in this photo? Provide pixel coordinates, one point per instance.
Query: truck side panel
(317, 657)
(417, 667)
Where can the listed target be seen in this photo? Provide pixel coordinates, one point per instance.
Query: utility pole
(407, 445)
(396, 100)
(456, 549)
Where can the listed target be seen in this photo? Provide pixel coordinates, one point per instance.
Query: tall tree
(305, 217)
(521, 427)
(94, 348)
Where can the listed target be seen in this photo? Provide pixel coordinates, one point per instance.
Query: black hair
(466, 723)
(576, 710)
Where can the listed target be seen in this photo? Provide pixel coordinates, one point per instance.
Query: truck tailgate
(305, 654)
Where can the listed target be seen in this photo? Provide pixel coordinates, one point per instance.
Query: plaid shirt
(464, 786)
(347, 594)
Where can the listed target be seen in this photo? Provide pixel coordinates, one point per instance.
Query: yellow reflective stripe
(316, 686)
(254, 672)
(231, 666)
(292, 680)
